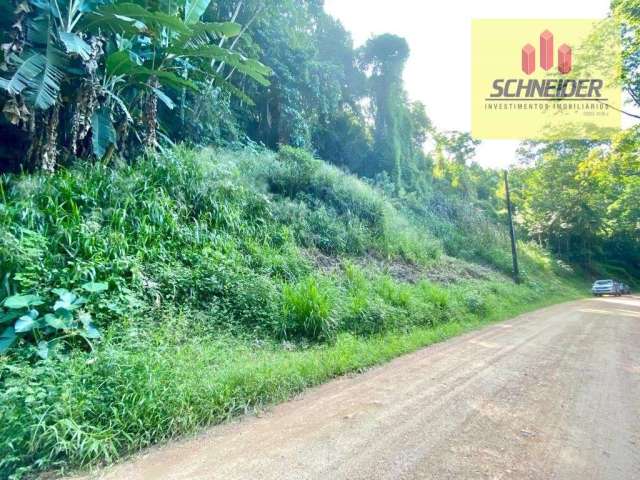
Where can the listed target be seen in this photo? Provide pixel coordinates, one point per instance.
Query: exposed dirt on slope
(444, 270)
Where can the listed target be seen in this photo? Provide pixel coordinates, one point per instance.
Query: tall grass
(216, 304)
(68, 412)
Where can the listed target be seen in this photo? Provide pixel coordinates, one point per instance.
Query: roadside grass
(214, 306)
(141, 389)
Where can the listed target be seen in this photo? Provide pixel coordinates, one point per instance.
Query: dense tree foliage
(84, 77)
(101, 75)
(89, 78)
(581, 199)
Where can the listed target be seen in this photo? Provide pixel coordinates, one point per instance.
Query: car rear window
(604, 282)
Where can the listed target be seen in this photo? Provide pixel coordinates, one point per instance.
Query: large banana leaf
(39, 31)
(38, 77)
(124, 16)
(44, 89)
(200, 29)
(251, 68)
(102, 132)
(194, 9)
(126, 26)
(164, 98)
(74, 44)
(120, 63)
(165, 78)
(199, 35)
(27, 71)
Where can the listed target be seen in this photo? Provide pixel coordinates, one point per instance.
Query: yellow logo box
(545, 79)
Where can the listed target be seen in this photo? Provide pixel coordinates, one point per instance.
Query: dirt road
(552, 394)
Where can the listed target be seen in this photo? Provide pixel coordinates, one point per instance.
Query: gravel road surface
(554, 394)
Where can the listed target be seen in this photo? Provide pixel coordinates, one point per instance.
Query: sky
(439, 35)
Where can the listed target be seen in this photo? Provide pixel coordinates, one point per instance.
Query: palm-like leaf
(252, 68)
(102, 132)
(26, 72)
(194, 9)
(120, 63)
(125, 16)
(198, 32)
(44, 89)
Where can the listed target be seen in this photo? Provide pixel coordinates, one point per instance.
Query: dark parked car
(626, 289)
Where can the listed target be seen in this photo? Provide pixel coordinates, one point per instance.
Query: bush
(434, 294)
(295, 172)
(476, 304)
(252, 301)
(349, 196)
(308, 311)
(365, 315)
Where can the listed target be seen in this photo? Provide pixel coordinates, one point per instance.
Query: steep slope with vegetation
(172, 254)
(90, 79)
(219, 281)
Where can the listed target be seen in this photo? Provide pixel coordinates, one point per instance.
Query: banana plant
(54, 44)
(168, 51)
(107, 63)
(59, 62)
(172, 52)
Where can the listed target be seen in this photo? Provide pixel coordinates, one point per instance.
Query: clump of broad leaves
(45, 326)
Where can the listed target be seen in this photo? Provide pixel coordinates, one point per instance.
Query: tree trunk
(86, 103)
(151, 116)
(43, 152)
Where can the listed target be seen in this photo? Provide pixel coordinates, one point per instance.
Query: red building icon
(546, 55)
(528, 59)
(546, 50)
(564, 58)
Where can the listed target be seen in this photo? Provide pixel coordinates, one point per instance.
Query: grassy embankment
(235, 280)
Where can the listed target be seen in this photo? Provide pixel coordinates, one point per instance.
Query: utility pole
(512, 231)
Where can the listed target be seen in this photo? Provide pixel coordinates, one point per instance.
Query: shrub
(350, 196)
(295, 171)
(393, 293)
(436, 296)
(252, 301)
(476, 304)
(366, 315)
(308, 311)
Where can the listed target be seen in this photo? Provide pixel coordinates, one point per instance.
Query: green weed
(215, 305)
